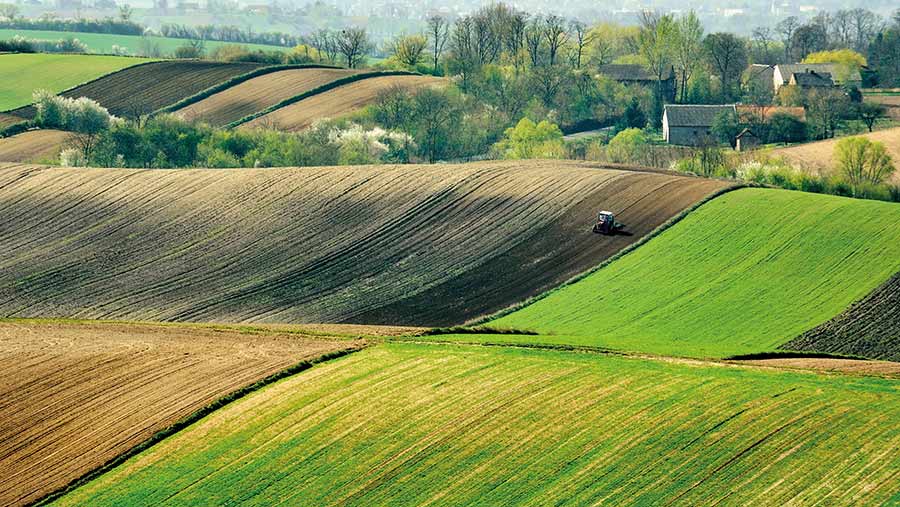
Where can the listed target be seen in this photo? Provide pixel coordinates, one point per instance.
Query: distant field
(103, 43)
(340, 101)
(75, 395)
(7, 120)
(819, 156)
(406, 425)
(746, 272)
(24, 73)
(37, 146)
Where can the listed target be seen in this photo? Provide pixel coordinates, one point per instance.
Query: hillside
(53, 72)
(869, 328)
(33, 146)
(744, 273)
(259, 93)
(7, 120)
(441, 425)
(143, 89)
(341, 101)
(74, 396)
(418, 245)
(819, 156)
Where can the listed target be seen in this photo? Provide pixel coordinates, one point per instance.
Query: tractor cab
(606, 223)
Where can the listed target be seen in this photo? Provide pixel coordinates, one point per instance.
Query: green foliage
(529, 140)
(81, 115)
(786, 128)
(725, 128)
(692, 290)
(627, 145)
(863, 162)
(634, 116)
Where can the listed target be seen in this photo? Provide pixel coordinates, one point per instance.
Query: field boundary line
(486, 319)
(318, 90)
(236, 80)
(196, 417)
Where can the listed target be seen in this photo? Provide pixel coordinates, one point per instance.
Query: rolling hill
(143, 89)
(259, 93)
(450, 425)
(416, 245)
(33, 146)
(744, 273)
(335, 103)
(53, 72)
(74, 396)
(819, 156)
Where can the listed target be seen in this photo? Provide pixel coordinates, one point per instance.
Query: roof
(745, 133)
(822, 68)
(812, 79)
(679, 115)
(632, 72)
(762, 75)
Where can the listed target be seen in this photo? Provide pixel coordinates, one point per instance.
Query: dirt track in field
(402, 245)
(73, 396)
(33, 146)
(257, 94)
(336, 103)
(142, 89)
(869, 328)
(829, 365)
(818, 156)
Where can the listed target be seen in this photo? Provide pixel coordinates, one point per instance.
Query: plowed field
(257, 94)
(74, 396)
(340, 101)
(33, 146)
(410, 245)
(407, 425)
(143, 89)
(869, 328)
(7, 120)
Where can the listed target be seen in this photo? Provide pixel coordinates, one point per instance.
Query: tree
(125, 12)
(528, 140)
(191, 49)
(555, 35)
(862, 161)
(514, 39)
(353, 43)
(627, 146)
(864, 25)
(786, 29)
(786, 128)
(9, 11)
(583, 39)
(435, 118)
(725, 128)
(763, 38)
(634, 116)
(656, 41)
(847, 61)
(408, 49)
(688, 44)
(534, 41)
(727, 57)
(809, 38)
(869, 113)
(438, 32)
(826, 109)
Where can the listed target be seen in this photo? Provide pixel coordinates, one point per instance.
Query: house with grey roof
(812, 79)
(633, 74)
(839, 76)
(690, 125)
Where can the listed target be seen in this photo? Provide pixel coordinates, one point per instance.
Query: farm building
(746, 140)
(782, 74)
(640, 75)
(689, 125)
(812, 79)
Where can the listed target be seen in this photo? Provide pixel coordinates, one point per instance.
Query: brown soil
(818, 156)
(403, 245)
(142, 89)
(851, 366)
(74, 396)
(336, 103)
(7, 120)
(33, 146)
(257, 94)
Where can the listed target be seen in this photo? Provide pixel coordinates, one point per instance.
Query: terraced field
(33, 146)
(144, 89)
(75, 396)
(389, 244)
(259, 93)
(341, 101)
(54, 72)
(746, 272)
(432, 425)
(869, 328)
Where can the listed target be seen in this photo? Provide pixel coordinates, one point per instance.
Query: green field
(52, 72)
(404, 424)
(103, 42)
(744, 273)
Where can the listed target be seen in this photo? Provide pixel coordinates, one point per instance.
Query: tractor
(606, 223)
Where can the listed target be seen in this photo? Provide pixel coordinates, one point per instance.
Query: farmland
(783, 261)
(76, 395)
(338, 244)
(258, 93)
(144, 89)
(341, 101)
(869, 328)
(444, 425)
(33, 146)
(7, 120)
(53, 72)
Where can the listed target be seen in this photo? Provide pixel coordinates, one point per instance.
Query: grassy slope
(51, 72)
(103, 42)
(419, 425)
(746, 272)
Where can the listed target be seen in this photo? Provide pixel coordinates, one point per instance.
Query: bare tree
(534, 38)
(408, 49)
(786, 29)
(842, 28)
(763, 39)
(727, 57)
(656, 40)
(438, 32)
(865, 24)
(514, 39)
(583, 39)
(556, 36)
(353, 43)
(688, 44)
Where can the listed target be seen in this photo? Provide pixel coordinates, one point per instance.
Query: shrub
(529, 140)
(81, 115)
(862, 161)
(786, 128)
(626, 146)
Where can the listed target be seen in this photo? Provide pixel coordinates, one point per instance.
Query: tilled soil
(33, 146)
(829, 365)
(74, 396)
